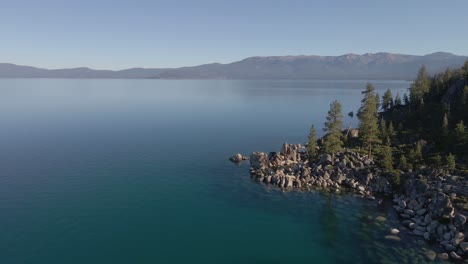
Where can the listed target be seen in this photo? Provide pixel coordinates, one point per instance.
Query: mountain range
(369, 66)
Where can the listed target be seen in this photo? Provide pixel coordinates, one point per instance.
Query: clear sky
(115, 34)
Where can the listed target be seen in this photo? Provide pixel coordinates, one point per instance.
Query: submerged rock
(430, 255)
(381, 218)
(392, 237)
(443, 256)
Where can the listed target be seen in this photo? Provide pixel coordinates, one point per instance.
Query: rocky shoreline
(431, 203)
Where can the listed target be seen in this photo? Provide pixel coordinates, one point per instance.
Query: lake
(137, 171)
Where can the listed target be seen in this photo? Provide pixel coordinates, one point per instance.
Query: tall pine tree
(312, 143)
(397, 99)
(368, 126)
(333, 127)
(420, 87)
(387, 100)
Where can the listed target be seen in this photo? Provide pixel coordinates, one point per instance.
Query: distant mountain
(8, 70)
(349, 66)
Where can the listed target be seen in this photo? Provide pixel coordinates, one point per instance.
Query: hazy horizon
(216, 62)
(157, 34)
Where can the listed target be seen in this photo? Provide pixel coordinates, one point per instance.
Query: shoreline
(430, 203)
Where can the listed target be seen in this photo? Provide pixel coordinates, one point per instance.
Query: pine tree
(447, 77)
(421, 86)
(387, 100)
(465, 69)
(377, 101)
(403, 164)
(415, 155)
(391, 130)
(312, 143)
(333, 127)
(368, 127)
(387, 159)
(418, 152)
(437, 161)
(383, 129)
(397, 100)
(445, 130)
(400, 127)
(460, 134)
(406, 99)
(450, 160)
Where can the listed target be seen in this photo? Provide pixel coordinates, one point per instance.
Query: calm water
(136, 171)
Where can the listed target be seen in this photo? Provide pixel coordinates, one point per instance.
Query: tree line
(426, 127)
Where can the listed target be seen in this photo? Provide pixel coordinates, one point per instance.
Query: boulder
(426, 236)
(394, 231)
(353, 133)
(459, 220)
(455, 256)
(427, 219)
(305, 172)
(449, 247)
(402, 204)
(440, 204)
(391, 237)
(258, 160)
(412, 204)
(290, 181)
(464, 247)
(289, 152)
(430, 255)
(237, 158)
(443, 256)
(277, 160)
(381, 218)
(421, 212)
(408, 212)
(338, 177)
(447, 236)
(326, 159)
(459, 237)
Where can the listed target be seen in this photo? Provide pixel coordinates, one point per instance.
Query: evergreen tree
(421, 86)
(447, 77)
(397, 100)
(368, 127)
(437, 161)
(403, 164)
(387, 159)
(464, 70)
(450, 160)
(445, 130)
(333, 127)
(383, 131)
(387, 100)
(418, 152)
(312, 143)
(406, 99)
(377, 101)
(460, 134)
(391, 130)
(400, 127)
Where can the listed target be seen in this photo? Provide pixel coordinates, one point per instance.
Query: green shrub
(450, 160)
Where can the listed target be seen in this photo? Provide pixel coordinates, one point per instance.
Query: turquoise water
(136, 171)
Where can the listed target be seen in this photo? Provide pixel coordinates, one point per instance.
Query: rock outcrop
(431, 203)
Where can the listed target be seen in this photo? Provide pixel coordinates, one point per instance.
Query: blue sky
(117, 34)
